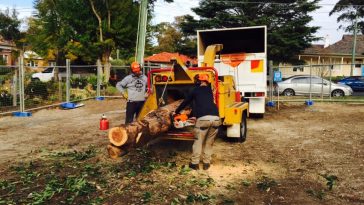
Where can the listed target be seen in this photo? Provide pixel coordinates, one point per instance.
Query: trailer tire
(243, 128)
(221, 132)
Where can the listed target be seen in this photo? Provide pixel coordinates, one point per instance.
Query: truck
(171, 84)
(244, 57)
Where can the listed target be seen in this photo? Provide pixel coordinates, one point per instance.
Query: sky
(165, 12)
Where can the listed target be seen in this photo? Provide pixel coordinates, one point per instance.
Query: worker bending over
(208, 121)
(133, 88)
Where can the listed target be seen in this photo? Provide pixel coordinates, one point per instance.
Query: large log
(138, 133)
(115, 152)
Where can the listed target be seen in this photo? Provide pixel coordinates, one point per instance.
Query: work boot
(194, 166)
(206, 166)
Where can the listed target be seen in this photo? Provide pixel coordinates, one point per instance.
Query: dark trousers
(133, 108)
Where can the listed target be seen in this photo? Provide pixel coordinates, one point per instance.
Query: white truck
(244, 55)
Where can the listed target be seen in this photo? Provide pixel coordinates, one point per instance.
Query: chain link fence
(316, 83)
(25, 88)
(9, 93)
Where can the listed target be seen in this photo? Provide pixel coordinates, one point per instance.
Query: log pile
(139, 133)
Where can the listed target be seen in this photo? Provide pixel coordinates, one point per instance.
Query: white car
(48, 74)
(300, 85)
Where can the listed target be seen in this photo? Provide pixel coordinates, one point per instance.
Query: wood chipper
(167, 88)
(168, 85)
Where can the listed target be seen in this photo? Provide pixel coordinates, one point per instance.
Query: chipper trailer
(167, 88)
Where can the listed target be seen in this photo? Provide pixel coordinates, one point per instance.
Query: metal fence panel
(307, 83)
(9, 89)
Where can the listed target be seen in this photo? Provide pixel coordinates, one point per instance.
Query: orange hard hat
(135, 67)
(203, 77)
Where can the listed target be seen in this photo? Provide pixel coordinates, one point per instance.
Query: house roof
(4, 44)
(342, 47)
(166, 57)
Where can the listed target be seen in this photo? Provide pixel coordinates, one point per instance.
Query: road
(358, 94)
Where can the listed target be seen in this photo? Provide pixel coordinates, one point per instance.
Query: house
(34, 61)
(6, 48)
(163, 60)
(338, 54)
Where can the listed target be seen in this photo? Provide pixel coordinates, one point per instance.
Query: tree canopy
(171, 38)
(10, 26)
(287, 22)
(349, 10)
(61, 28)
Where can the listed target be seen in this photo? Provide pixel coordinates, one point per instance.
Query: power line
(276, 3)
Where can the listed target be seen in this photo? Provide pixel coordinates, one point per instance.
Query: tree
(349, 10)
(287, 22)
(171, 38)
(10, 26)
(85, 30)
(63, 30)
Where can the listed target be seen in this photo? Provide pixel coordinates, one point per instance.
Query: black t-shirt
(202, 101)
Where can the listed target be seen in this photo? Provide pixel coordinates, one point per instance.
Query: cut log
(115, 152)
(140, 132)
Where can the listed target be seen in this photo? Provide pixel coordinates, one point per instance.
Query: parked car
(300, 85)
(48, 74)
(355, 82)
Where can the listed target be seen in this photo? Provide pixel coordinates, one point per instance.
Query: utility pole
(142, 30)
(354, 45)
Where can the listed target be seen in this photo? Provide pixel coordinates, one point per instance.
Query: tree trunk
(115, 152)
(107, 66)
(139, 133)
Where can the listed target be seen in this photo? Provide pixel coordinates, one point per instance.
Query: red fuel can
(104, 123)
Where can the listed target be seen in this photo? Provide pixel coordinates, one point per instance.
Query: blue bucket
(309, 102)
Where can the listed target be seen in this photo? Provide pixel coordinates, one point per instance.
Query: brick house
(6, 48)
(339, 54)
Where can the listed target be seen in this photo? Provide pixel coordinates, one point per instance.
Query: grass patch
(266, 183)
(320, 194)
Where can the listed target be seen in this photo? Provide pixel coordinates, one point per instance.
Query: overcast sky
(165, 12)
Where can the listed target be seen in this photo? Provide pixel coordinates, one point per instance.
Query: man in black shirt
(208, 120)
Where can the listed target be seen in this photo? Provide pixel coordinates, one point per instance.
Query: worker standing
(208, 121)
(133, 88)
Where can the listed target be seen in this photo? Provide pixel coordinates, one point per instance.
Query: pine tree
(349, 10)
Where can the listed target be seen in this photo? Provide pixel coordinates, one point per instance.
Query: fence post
(21, 82)
(14, 87)
(99, 74)
(309, 103)
(271, 81)
(68, 74)
(331, 68)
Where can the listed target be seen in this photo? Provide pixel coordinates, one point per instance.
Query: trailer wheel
(243, 128)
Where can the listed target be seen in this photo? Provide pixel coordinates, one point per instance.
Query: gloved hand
(125, 95)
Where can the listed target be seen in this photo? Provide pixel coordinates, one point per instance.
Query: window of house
(5, 59)
(32, 63)
(298, 68)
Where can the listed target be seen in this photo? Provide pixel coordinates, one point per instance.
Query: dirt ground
(297, 155)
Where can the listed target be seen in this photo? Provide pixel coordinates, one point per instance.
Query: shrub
(37, 89)
(5, 98)
(79, 82)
